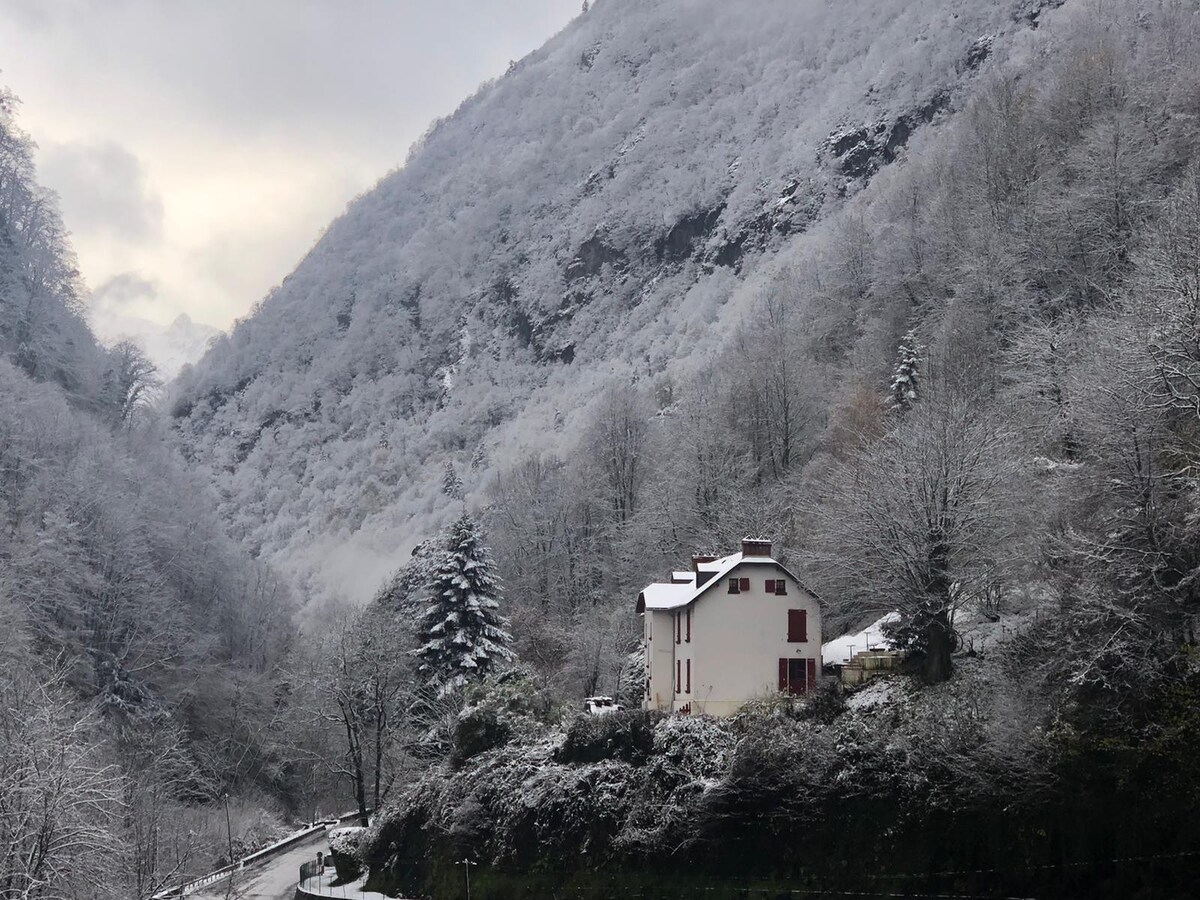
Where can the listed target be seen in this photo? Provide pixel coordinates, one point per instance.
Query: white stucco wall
(737, 642)
(660, 654)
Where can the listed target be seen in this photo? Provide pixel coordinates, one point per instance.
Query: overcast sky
(199, 146)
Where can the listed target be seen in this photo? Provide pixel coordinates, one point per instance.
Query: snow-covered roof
(672, 596)
(840, 650)
(666, 596)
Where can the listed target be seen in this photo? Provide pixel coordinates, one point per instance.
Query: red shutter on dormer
(744, 584)
(783, 672)
(797, 626)
(770, 585)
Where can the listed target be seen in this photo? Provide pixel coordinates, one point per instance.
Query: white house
(728, 631)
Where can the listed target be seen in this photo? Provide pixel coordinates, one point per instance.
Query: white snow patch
(878, 693)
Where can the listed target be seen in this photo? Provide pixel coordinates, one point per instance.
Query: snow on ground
(839, 651)
(877, 693)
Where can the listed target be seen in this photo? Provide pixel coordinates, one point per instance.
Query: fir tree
(480, 459)
(463, 636)
(906, 382)
(452, 485)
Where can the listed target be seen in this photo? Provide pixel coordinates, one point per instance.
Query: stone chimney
(756, 547)
(698, 558)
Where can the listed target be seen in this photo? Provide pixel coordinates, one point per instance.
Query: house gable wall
(738, 640)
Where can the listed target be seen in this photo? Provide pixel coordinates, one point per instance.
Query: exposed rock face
(862, 151)
(680, 242)
(593, 255)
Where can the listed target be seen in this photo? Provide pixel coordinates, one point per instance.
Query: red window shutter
(677, 626)
(744, 584)
(678, 676)
(733, 586)
(812, 674)
(689, 624)
(783, 674)
(781, 587)
(797, 626)
(770, 585)
(689, 676)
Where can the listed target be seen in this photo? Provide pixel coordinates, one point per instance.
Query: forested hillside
(141, 647)
(910, 288)
(922, 305)
(598, 217)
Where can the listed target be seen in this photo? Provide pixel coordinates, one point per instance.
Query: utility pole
(466, 864)
(228, 827)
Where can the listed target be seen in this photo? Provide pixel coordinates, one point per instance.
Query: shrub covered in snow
(345, 849)
(512, 703)
(627, 735)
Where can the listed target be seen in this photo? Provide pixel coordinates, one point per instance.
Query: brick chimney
(755, 547)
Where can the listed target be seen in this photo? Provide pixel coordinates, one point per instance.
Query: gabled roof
(660, 596)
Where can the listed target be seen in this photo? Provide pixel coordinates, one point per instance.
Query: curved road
(271, 879)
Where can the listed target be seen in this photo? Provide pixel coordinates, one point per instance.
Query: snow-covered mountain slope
(602, 210)
(169, 347)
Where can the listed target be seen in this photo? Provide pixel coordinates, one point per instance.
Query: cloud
(103, 189)
(205, 144)
(125, 294)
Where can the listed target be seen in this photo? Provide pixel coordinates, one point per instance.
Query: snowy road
(272, 879)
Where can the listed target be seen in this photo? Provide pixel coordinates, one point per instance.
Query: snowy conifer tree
(481, 457)
(463, 636)
(906, 382)
(452, 485)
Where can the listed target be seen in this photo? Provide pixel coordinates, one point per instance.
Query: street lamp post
(466, 864)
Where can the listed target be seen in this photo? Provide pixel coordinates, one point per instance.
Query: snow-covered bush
(345, 849)
(512, 703)
(627, 735)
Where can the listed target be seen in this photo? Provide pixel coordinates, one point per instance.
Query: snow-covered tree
(452, 485)
(481, 458)
(906, 383)
(463, 635)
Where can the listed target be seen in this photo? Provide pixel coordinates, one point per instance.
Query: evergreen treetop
(463, 635)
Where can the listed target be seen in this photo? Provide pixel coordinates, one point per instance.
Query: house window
(733, 586)
(744, 584)
(797, 626)
(650, 626)
(797, 676)
(678, 676)
(781, 587)
(689, 625)
(677, 626)
(689, 676)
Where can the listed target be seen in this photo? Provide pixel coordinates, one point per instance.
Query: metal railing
(190, 887)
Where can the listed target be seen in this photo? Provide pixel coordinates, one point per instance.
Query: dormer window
(734, 586)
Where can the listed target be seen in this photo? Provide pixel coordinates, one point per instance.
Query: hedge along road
(271, 879)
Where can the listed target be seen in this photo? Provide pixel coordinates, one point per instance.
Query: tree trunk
(939, 644)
